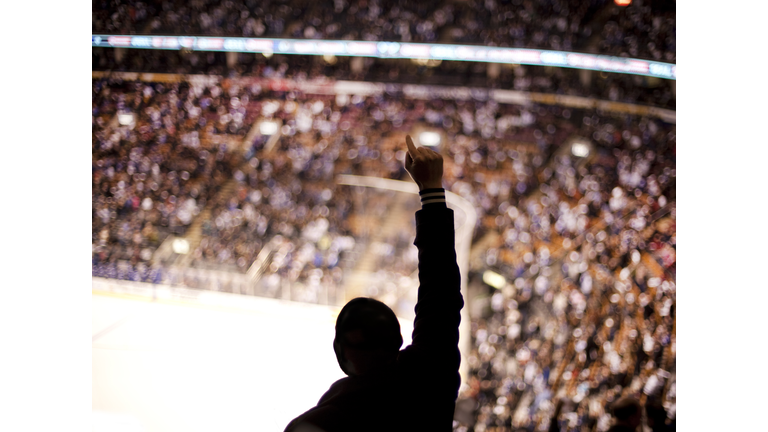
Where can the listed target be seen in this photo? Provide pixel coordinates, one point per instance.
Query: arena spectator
(627, 415)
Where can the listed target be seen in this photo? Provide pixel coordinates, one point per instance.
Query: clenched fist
(424, 165)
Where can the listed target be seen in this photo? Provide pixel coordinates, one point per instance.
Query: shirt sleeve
(436, 326)
(433, 198)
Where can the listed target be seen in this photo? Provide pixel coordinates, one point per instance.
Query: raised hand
(424, 165)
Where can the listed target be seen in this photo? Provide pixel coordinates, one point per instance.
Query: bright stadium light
(329, 58)
(125, 119)
(180, 246)
(429, 139)
(580, 149)
(268, 127)
(427, 62)
(494, 279)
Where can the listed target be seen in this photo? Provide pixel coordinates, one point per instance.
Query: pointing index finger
(411, 146)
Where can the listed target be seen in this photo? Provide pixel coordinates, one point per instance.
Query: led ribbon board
(394, 50)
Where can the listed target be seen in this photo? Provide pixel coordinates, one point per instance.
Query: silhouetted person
(656, 416)
(414, 389)
(626, 412)
(554, 424)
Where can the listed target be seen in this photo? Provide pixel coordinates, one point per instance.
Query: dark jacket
(418, 393)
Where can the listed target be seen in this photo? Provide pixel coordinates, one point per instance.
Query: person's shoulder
(405, 358)
(336, 388)
(340, 383)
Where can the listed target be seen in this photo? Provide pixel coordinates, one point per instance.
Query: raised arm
(435, 334)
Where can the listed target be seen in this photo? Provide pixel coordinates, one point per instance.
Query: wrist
(431, 185)
(432, 197)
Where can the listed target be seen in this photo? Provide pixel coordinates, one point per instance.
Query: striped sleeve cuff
(433, 197)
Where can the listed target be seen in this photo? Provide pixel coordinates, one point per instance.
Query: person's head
(626, 411)
(368, 337)
(655, 414)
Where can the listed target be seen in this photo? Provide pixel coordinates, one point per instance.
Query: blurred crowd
(614, 87)
(289, 191)
(586, 243)
(587, 313)
(646, 29)
(640, 31)
(157, 158)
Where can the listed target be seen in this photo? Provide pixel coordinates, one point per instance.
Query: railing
(273, 286)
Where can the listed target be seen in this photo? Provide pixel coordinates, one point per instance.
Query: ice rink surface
(168, 365)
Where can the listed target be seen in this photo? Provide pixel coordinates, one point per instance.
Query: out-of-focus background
(247, 181)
